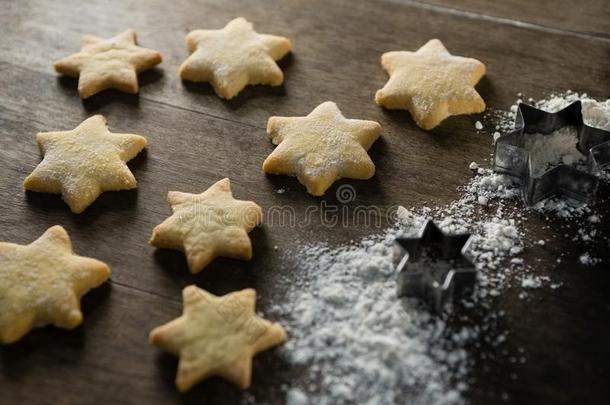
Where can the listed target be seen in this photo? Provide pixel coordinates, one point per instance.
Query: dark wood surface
(196, 138)
(589, 17)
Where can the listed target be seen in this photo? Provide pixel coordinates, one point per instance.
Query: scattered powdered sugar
(531, 281)
(356, 342)
(562, 207)
(491, 185)
(587, 260)
(296, 397)
(360, 343)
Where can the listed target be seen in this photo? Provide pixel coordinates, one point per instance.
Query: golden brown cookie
(321, 147)
(234, 57)
(108, 63)
(216, 336)
(207, 225)
(42, 283)
(84, 162)
(431, 83)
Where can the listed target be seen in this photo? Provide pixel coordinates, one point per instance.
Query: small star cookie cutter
(433, 266)
(511, 157)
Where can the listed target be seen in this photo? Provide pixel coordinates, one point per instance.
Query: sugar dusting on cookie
(359, 344)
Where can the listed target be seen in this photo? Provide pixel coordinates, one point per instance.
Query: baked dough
(42, 283)
(234, 57)
(208, 225)
(322, 147)
(431, 84)
(217, 336)
(84, 162)
(108, 63)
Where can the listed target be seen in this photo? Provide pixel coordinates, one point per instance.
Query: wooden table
(195, 139)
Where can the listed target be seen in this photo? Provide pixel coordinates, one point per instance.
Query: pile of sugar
(361, 344)
(547, 151)
(357, 343)
(559, 147)
(595, 113)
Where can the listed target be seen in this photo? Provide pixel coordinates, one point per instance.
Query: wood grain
(591, 17)
(196, 139)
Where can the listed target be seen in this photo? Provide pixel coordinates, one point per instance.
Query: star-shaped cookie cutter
(512, 157)
(428, 249)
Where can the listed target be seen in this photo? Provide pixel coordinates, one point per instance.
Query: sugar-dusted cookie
(234, 57)
(84, 162)
(216, 336)
(207, 225)
(108, 63)
(431, 83)
(321, 147)
(42, 283)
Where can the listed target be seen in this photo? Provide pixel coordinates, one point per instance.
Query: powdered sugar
(531, 281)
(595, 113)
(360, 344)
(363, 345)
(587, 260)
(548, 151)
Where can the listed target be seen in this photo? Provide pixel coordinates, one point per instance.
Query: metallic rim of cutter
(424, 285)
(512, 158)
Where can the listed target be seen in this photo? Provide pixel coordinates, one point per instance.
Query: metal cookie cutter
(434, 266)
(512, 158)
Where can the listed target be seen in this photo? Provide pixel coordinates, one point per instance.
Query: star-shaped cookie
(321, 147)
(84, 162)
(207, 225)
(217, 336)
(42, 283)
(234, 57)
(108, 63)
(431, 83)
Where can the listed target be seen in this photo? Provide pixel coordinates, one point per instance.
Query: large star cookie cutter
(433, 266)
(512, 157)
